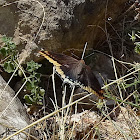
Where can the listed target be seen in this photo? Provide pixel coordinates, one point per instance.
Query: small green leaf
(37, 76)
(9, 67)
(6, 39)
(32, 66)
(40, 103)
(28, 86)
(28, 99)
(132, 37)
(137, 47)
(3, 51)
(42, 92)
(34, 89)
(12, 46)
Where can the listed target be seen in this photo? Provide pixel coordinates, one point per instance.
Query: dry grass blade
(120, 79)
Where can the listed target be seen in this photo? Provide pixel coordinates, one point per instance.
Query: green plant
(134, 37)
(32, 84)
(137, 47)
(9, 54)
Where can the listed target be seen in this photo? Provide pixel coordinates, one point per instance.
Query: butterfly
(74, 72)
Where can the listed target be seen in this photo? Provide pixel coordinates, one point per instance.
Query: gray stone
(14, 117)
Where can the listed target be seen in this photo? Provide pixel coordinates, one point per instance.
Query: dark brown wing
(65, 65)
(74, 69)
(59, 58)
(89, 80)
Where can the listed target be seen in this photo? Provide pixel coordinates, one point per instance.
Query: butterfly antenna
(84, 51)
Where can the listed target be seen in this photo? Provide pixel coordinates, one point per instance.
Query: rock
(8, 20)
(14, 117)
(58, 24)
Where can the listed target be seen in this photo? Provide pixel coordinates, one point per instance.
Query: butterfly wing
(90, 82)
(75, 70)
(58, 59)
(66, 66)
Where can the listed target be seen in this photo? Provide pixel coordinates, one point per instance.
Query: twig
(84, 51)
(54, 92)
(117, 78)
